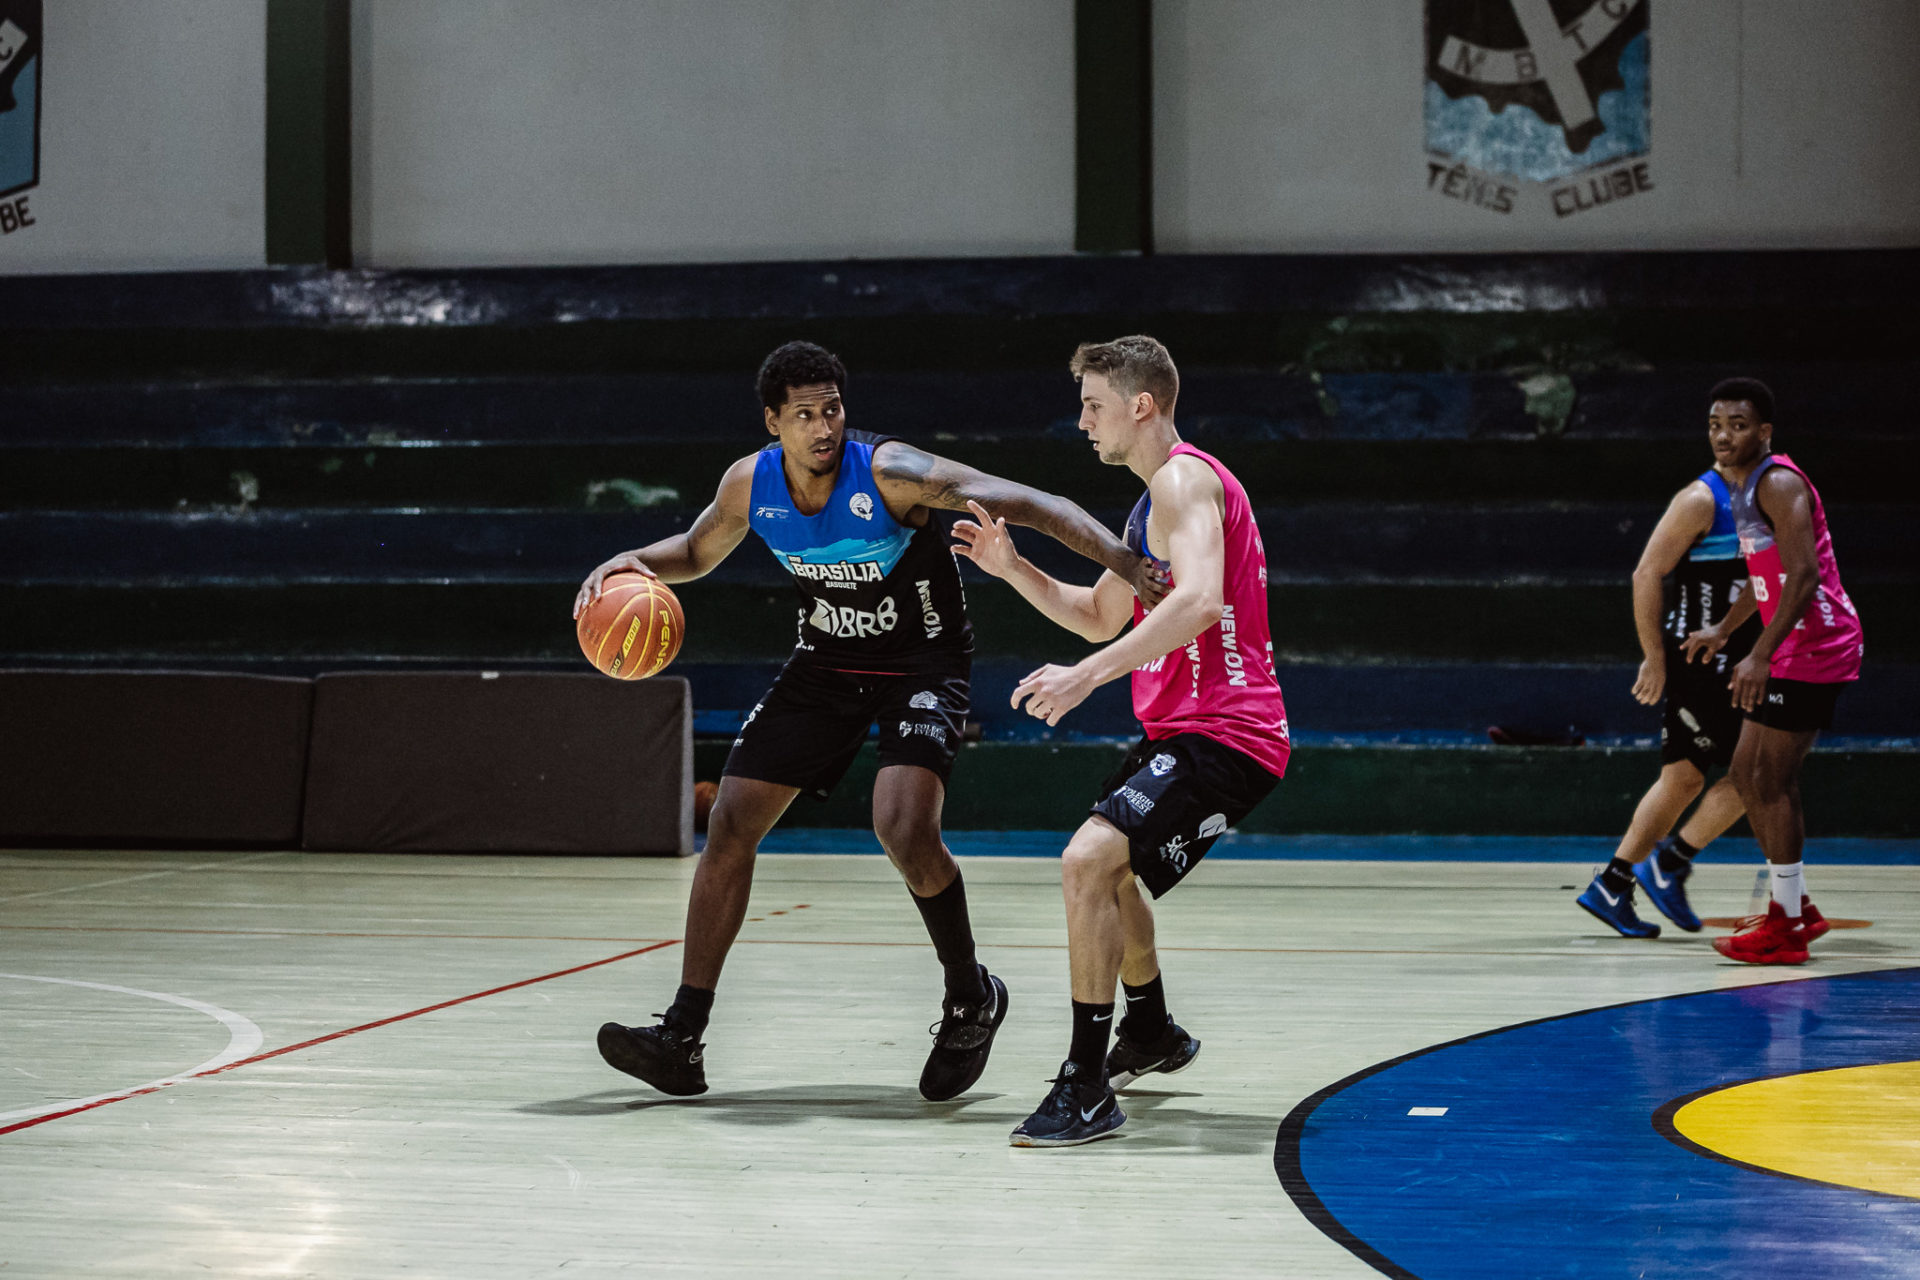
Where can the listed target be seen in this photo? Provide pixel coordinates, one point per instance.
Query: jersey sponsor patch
(847, 623)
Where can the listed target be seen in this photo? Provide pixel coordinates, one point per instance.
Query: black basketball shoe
(962, 1039)
(659, 1055)
(1173, 1051)
(1076, 1111)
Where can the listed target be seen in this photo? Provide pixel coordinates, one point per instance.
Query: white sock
(1789, 886)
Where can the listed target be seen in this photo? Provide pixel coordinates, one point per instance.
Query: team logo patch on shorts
(1213, 826)
(1139, 801)
(937, 732)
(1174, 853)
(925, 701)
(1161, 765)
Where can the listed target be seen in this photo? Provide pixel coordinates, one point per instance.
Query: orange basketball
(634, 629)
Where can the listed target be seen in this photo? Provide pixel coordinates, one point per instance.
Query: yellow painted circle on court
(1852, 1126)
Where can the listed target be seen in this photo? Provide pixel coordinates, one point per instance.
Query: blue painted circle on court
(1551, 1161)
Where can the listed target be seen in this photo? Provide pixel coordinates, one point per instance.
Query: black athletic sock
(1618, 875)
(945, 915)
(689, 1011)
(1674, 853)
(1091, 1022)
(1146, 1018)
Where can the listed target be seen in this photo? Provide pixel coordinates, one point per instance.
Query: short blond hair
(1132, 364)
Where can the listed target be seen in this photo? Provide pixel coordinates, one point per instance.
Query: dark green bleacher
(1455, 462)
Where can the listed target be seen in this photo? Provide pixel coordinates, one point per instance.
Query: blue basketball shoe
(1077, 1110)
(1616, 909)
(1667, 889)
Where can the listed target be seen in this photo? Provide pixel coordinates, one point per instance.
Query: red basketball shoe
(1810, 916)
(1775, 940)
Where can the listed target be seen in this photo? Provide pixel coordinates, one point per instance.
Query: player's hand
(625, 562)
(1052, 691)
(1652, 681)
(985, 541)
(1747, 682)
(1701, 645)
(1150, 582)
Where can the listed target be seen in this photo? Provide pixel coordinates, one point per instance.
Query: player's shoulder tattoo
(934, 479)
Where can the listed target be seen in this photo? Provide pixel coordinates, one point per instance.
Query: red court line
(336, 1035)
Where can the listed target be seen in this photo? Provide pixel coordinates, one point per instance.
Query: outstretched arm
(1689, 515)
(685, 556)
(1094, 613)
(910, 477)
(1187, 498)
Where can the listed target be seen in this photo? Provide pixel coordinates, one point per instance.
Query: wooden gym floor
(390, 1071)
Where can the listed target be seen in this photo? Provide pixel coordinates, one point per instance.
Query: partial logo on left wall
(20, 67)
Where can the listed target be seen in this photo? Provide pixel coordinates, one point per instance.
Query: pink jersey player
(1825, 646)
(1222, 685)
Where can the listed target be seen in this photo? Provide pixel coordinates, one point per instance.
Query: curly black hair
(798, 364)
(1752, 390)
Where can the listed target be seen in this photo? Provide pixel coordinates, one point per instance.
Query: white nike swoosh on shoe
(1086, 1117)
(1659, 881)
(1611, 900)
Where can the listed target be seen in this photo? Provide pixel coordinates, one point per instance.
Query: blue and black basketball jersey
(875, 595)
(1709, 578)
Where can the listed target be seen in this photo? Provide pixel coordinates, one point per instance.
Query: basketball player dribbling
(883, 636)
(1206, 695)
(1808, 650)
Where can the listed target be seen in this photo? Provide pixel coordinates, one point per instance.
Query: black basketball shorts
(808, 729)
(1798, 706)
(1173, 798)
(1699, 723)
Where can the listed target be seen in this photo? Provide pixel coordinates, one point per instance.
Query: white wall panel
(590, 131)
(152, 139)
(1298, 127)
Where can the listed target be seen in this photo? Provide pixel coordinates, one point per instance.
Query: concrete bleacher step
(1441, 703)
(1362, 787)
(729, 622)
(681, 475)
(1342, 312)
(1289, 402)
(1307, 542)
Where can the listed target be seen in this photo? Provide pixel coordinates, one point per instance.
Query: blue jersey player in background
(882, 637)
(1695, 542)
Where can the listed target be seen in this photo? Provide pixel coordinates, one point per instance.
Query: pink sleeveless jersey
(1825, 646)
(1222, 686)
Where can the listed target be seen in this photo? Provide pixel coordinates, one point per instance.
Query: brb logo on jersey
(849, 624)
(20, 63)
(1532, 96)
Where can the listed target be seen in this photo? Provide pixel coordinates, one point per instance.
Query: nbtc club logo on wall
(19, 110)
(1538, 101)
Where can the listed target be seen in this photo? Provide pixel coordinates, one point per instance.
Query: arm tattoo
(938, 482)
(934, 480)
